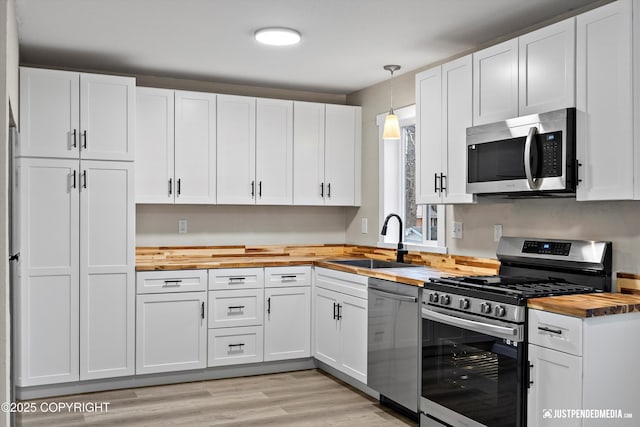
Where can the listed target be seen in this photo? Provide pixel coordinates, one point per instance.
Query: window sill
(415, 247)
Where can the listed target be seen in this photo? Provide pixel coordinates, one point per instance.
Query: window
(423, 224)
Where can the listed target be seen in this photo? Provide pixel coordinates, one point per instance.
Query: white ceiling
(344, 45)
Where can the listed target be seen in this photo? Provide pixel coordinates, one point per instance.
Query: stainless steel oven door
(473, 370)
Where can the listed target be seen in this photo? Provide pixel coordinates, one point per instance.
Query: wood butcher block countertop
(211, 257)
(588, 305)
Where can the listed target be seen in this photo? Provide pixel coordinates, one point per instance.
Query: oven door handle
(533, 182)
(510, 333)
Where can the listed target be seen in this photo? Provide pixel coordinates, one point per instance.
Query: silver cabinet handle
(172, 283)
(533, 182)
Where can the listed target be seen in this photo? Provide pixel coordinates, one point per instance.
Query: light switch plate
(182, 226)
(456, 232)
(497, 232)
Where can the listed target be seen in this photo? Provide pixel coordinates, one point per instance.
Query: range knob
(445, 300)
(485, 307)
(500, 311)
(464, 303)
(434, 297)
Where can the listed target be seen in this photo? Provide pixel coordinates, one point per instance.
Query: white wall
(157, 225)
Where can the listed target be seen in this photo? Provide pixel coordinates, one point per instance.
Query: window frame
(406, 117)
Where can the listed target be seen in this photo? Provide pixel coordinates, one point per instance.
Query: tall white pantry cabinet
(74, 190)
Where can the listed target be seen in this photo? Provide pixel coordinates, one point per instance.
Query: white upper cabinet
(547, 68)
(236, 150)
(49, 113)
(605, 103)
(274, 152)
(495, 83)
(154, 145)
(327, 154)
(195, 148)
(443, 113)
(107, 117)
(69, 115)
(457, 116)
(429, 140)
(342, 155)
(308, 153)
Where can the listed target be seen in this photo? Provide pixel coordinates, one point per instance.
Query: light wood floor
(304, 398)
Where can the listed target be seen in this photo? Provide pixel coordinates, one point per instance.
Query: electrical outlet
(182, 226)
(456, 233)
(364, 225)
(497, 232)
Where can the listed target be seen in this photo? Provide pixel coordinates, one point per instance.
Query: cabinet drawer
(236, 278)
(232, 346)
(242, 307)
(278, 277)
(339, 281)
(555, 331)
(155, 282)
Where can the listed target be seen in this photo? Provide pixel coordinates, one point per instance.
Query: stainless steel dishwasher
(393, 350)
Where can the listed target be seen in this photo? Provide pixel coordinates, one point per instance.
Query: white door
(107, 269)
(342, 155)
(154, 145)
(547, 68)
(195, 152)
(47, 312)
(495, 83)
(287, 323)
(557, 384)
(353, 329)
(457, 108)
(308, 153)
(327, 345)
(236, 141)
(429, 141)
(49, 113)
(107, 117)
(604, 100)
(274, 152)
(171, 332)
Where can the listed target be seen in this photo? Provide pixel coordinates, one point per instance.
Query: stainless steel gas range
(475, 370)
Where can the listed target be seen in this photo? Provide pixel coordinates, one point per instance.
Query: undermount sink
(372, 263)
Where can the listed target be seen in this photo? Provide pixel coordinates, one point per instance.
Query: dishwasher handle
(397, 297)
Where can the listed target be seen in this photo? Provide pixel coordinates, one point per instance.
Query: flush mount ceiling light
(277, 36)
(391, 124)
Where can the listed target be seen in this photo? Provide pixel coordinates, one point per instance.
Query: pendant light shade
(391, 124)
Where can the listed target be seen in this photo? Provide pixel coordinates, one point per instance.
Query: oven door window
(473, 374)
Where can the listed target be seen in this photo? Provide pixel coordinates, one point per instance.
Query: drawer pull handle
(170, 283)
(290, 277)
(235, 307)
(237, 279)
(233, 346)
(553, 331)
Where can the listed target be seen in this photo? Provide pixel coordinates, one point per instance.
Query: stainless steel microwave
(526, 156)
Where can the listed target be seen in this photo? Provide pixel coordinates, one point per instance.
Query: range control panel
(546, 248)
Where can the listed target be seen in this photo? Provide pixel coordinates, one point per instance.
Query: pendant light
(391, 124)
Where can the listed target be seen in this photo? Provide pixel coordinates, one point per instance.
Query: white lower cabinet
(233, 346)
(287, 319)
(340, 322)
(576, 363)
(171, 326)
